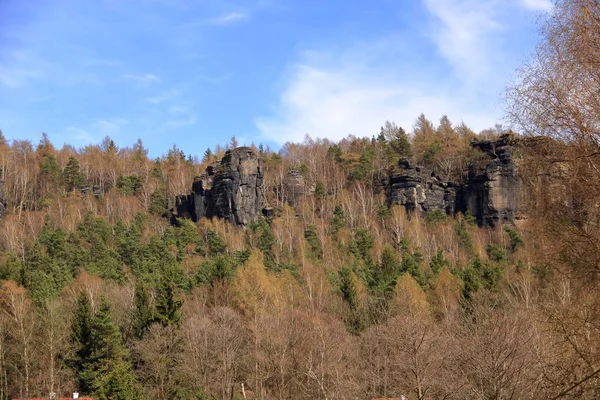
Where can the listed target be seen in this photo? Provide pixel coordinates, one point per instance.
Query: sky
(194, 73)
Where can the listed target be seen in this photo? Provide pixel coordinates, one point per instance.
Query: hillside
(344, 270)
(434, 263)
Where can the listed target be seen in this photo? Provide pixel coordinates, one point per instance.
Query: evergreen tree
(142, 314)
(72, 175)
(120, 383)
(208, 155)
(81, 338)
(167, 306)
(98, 344)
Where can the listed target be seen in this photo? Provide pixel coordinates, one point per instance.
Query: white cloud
(142, 79)
(80, 136)
(165, 96)
(538, 5)
(179, 123)
(16, 77)
(19, 67)
(341, 100)
(462, 32)
(176, 109)
(108, 127)
(230, 18)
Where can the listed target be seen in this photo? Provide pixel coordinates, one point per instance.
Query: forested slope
(335, 292)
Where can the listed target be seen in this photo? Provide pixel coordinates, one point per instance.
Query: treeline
(341, 296)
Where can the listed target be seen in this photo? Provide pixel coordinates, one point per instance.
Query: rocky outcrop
(294, 186)
(420, 190)
(231, 189)
(490, 191)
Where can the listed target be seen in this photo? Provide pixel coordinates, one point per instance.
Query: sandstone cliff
(231, 189)
(489, 192)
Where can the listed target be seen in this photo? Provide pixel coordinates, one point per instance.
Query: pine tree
(98, 342)
(208, 155)
(81, 337)
(142, 314)
(120, 383)
(167, 306)
(72, 175)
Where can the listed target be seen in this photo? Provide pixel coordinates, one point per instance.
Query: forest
(336, 293)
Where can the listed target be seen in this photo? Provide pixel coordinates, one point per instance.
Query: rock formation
(294, 188)
(231, 189)
(421, 191)
(490, 192)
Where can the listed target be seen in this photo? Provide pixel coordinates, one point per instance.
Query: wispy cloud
(17, 76)
(18, 68)
(230, 18)
(108, 127)
(538, 5)
(79, 136)
(463, 31)
(355, 98)
(179, 123)
(162, 97)
(141, 79)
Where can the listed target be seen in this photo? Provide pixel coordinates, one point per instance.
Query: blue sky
(196, 72)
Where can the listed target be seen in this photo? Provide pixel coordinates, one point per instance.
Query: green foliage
(72, 176)
(362, 245)
(216, 244)
(12, 269)
(159, 204)
(339, 220)
(320, 190)
(363, 171)
(411, 262)
(431, 152)
(97, 342)
(143, 315)
(335, 152)
(383, 276)
(495, 252)
(102, 259)
(436, 216)
(383, 212)
(266, 240)
(396, 142)
(438, 262)
(464, 239)
(347, 288)
(186, 238)
(50, 169)
(516, 240)
(208, 155)
(129, 184)
(167, 308)
(314, 243)
(480, 275)
(218, 269)
(119, 383)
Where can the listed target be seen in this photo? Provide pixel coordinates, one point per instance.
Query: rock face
(421, 191)
(231, 189)
(490, 192)
(294, 187)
